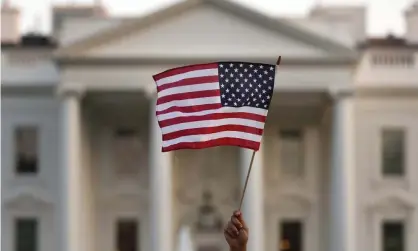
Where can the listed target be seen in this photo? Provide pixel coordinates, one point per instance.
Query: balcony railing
(393, 60)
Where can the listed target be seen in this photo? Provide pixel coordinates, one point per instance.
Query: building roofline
(6, 45)
(279, 26)
(390, 41)
(31, 41)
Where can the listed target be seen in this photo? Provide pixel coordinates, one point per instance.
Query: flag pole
(246, 180)
(252, 160)
(278, 60)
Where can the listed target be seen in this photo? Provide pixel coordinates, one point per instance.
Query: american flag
(207, 105)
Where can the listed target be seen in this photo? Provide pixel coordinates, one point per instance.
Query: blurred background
(81, 161)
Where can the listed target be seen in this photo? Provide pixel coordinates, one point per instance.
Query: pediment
(205, 29)
(393, 199)
(124, 198)
(294, 201)
(298, 198)
(27, 197)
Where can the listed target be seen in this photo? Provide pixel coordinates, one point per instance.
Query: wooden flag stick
(278, 60)
(252, 160)
(246, 181)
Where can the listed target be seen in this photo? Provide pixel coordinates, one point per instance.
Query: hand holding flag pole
(251, 162)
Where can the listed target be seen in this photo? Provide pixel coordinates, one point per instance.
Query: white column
(342, 193)
(161, 190)
(71, 170)
(253, 205)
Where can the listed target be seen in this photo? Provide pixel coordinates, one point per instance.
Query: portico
(165, 190)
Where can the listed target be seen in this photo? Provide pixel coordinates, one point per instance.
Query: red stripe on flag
(213, 116)
(189, 81)
(209, 130)
(216, 142)
(188, 109)
(184, 69)
(188, 95)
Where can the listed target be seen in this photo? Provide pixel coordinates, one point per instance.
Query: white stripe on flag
(225, 109)
(212, 136)
(188, 88)
(190, 74)
(189, 102)
(212, 123)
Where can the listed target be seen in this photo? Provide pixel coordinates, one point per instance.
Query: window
(393, 155)
(291, 152)
(393, 236)
(127, 235)
(127, 152)
(26, 234)
(291, 238)
(26, 153)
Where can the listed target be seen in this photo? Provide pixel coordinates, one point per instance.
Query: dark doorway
(291, 238)
(127, 235)
(393, 236)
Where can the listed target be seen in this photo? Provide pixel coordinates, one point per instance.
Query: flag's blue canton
(246, 84)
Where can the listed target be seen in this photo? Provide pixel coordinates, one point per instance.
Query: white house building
(81, 163)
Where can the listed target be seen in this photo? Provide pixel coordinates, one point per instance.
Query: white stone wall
(28, 68)
(382, 198)
(384, 67)
(114, 196)
(377, 198)
(212, 170)
(37, 196)
(294, 198)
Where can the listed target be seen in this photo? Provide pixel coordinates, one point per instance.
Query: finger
(232, 233)
(232, 229)
(244, 225)
(228, 235)
(236, 223)
(238, 215)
